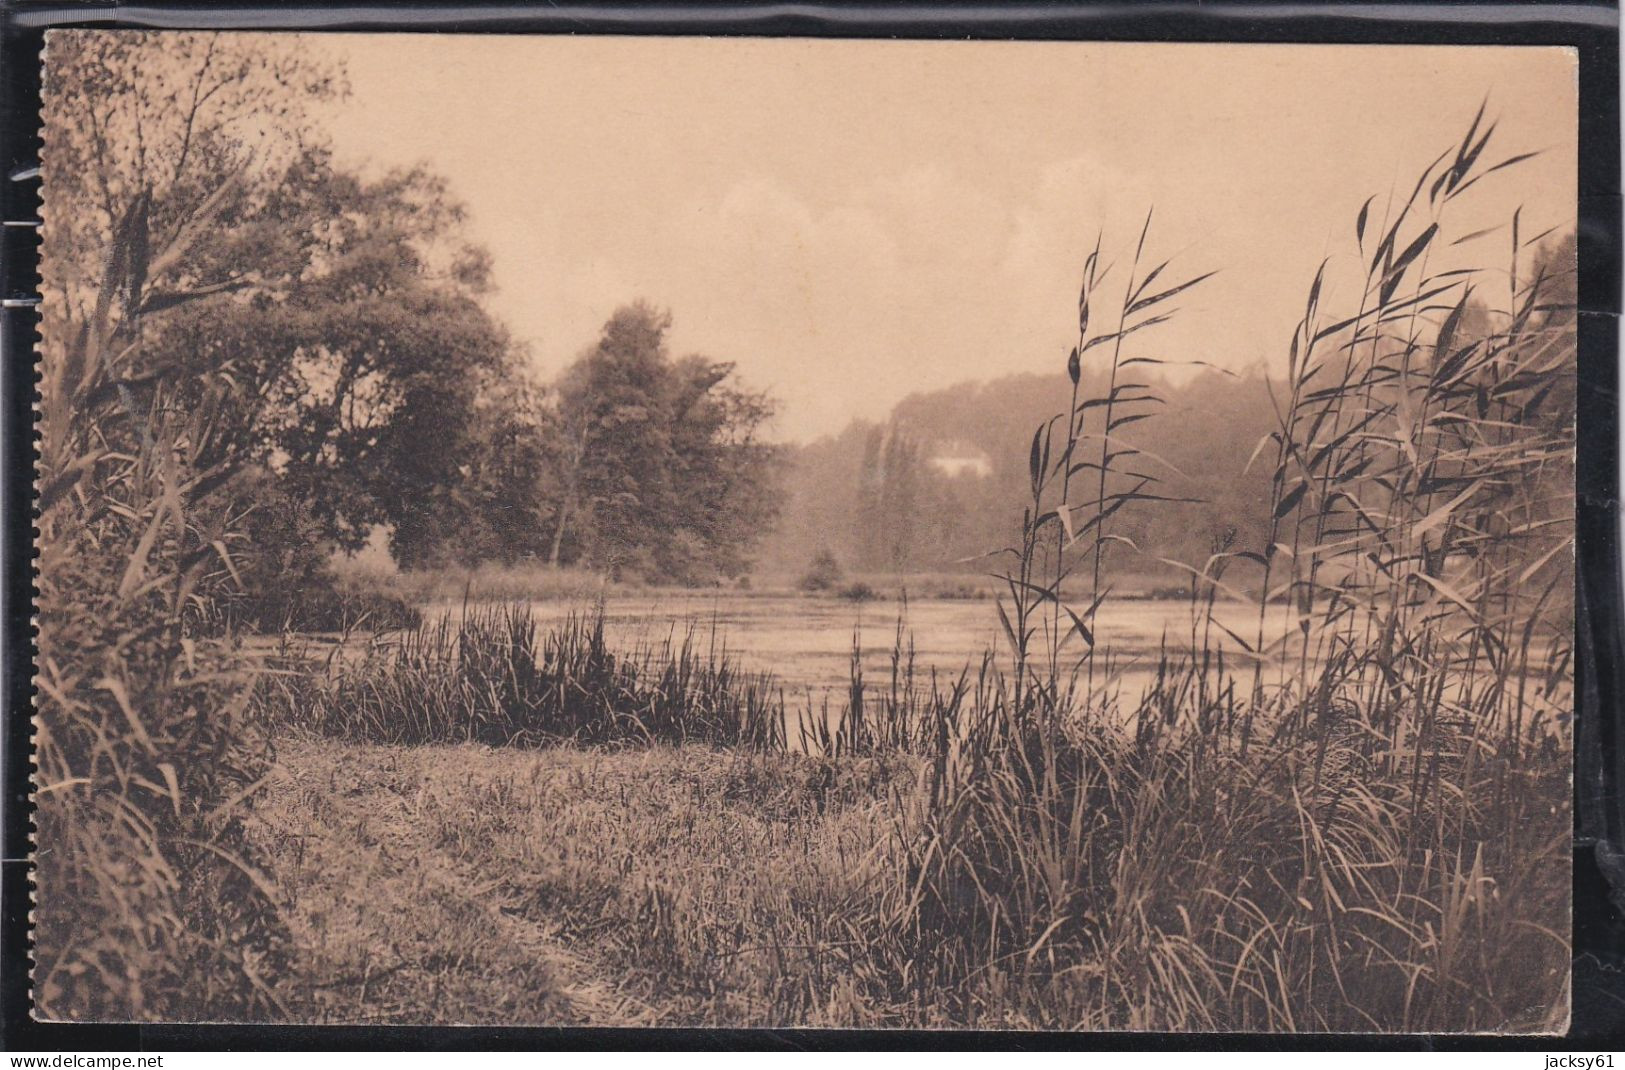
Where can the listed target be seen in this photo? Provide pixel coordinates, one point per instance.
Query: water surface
(807, 642)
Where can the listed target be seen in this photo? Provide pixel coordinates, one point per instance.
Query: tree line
(368, 385)
(934, 485)
(897, 496)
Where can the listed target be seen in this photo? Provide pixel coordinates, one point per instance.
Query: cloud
(917, 279)
(851, 223)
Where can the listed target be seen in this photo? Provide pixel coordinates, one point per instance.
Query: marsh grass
(583, 885)
(149, 905)
(489, 675)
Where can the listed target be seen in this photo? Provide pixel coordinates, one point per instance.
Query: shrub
(285, 578)
(823, 574)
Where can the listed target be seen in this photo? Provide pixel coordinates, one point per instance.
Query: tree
(659, 467)
(499, 508)
(891, 491)
(360, 360)
(344, 313)
(163, 150)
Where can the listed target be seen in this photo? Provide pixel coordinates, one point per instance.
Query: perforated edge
(37, 370)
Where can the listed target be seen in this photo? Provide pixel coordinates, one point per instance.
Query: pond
(807, 642)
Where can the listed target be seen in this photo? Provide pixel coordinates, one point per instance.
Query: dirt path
(592, 999)
(392, 919)
(578, 886)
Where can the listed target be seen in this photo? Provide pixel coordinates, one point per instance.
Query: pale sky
(853, 221)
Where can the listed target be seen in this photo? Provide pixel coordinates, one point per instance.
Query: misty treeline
(935, 485)
(932, 487)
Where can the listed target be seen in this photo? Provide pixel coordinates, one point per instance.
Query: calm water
(807, 642)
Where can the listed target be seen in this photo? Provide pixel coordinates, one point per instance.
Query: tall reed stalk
(1357, 817)
(148, 904)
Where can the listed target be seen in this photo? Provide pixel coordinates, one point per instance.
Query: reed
(1362, 825)
(488, 676)
(149, 904)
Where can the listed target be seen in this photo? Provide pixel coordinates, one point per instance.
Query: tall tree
(500, 507)
(890, 497)
(660, 466)
(342, 314)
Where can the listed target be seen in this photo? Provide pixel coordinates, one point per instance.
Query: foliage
(180, 131)
(922, 508)
(284, 576)
(349, 313)
(345, 308)
(823, 573)
(149, 904)
(888, 508)
(1361, 825)
(530, 580)
(661, 473)
(499, 510)
(357, 348)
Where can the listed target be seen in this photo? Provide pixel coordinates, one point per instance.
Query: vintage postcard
(780, 532)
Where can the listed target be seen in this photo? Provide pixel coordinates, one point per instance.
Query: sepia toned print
(734, 532)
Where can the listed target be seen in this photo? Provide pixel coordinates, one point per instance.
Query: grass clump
(488, 676)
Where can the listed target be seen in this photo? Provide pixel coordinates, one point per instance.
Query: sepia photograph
(758, 533)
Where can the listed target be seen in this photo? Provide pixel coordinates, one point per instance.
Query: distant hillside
(945, 477)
